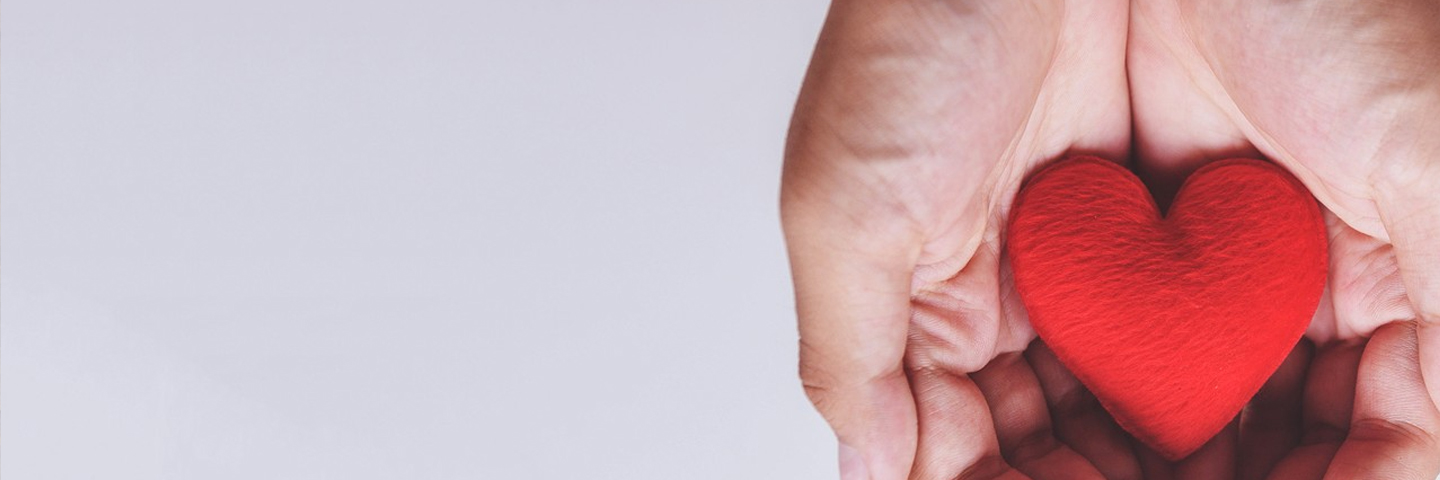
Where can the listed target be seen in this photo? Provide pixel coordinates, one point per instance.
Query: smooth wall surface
(310, 239)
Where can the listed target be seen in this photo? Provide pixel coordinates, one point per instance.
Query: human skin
(1345, 95)
(918, 121)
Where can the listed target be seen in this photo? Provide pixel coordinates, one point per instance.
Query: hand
(914, 128)
(1332, 412)
(1346, 95)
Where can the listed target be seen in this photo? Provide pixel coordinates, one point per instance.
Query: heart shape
(1173, 322)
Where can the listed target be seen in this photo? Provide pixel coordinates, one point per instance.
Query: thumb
(853, 303)
(1395, 428)
(1410, 211)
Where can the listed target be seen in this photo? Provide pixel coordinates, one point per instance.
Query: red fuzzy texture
(1172, 322)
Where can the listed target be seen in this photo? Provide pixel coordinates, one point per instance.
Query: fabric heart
(1173, 322)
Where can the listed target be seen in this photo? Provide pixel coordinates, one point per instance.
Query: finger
(955, 328)
(1395, 431)
(1370, 291)
(1329, 394)
(1022, 422)
(1325, 407)
(1079, 421)
(1410, 211)
(957, 435)
(1270, 424)
(852, 337)
(1306, 462)
(1154, 466)
(853, 301)
(1215, 460)
(1429, 334)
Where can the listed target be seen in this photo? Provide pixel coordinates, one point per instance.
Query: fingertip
(1152, 465)
(1214, 459)
(1390, 385)
(874, 424)
(1078, 419)
(1395, 430)
(1270, 424)
(956, 432)
(854, 312)
(1328, 397)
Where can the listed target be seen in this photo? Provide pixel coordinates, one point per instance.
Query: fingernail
(852, 464)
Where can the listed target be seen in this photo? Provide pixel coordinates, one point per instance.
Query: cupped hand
(915, 126)
(1346, 95)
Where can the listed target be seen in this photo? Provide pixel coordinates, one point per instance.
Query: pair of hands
(917, 123)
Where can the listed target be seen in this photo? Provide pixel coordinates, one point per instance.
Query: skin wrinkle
(1365, 292)
(950, 345)
(798, 204)
(820, 381)
(1193, 79)
(1172, 51)
(1369, 283)
(1394, 420)
(988, 192)
(1426, 303)
(1268, 143)
(972, 286)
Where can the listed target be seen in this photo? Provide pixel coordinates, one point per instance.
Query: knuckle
(1399, 435)
(815, 387)
(1075, 402)
(816, 381)
(1429, 313)
(1033, 446)
(987, 467)
(822, 396)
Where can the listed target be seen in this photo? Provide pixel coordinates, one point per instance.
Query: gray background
(352, 239)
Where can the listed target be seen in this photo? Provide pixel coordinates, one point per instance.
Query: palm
(1278, 85)
(919, 121)
(915, 127)
(1254, 84)
(967, 331)
(1313, 86)
(1319, 90)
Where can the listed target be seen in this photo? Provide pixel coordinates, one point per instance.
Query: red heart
(1172, 322)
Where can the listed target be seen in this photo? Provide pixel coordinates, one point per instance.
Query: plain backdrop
(310, 239)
